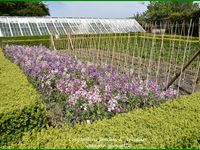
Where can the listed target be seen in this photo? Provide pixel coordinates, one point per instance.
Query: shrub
(43, 42)
(173, 125)
(24, 37)
(20, 110)
(26, 40)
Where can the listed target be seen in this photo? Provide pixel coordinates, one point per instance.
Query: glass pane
(83, 27)
(34, 29)
(67, 27)
(51, 28)
(122, 26)
(94, 26)
(59, 28)
(5, 30)
(25, 29)
(43, 29)
(101, 27)
(107, 26)
(89, 28)
(15, 29)
(74, 27)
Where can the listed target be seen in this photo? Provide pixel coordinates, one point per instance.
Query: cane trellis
(170, 59)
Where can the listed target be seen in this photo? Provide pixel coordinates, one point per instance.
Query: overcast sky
(95, 9)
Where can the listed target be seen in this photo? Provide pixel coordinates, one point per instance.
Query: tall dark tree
(140, 17)
(162, 10)
(23, 9)
(172, 12)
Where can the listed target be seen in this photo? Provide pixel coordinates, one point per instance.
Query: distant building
(30, 26)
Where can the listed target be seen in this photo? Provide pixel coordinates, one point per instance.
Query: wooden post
(183, 69)
(52, 42)
(199, 32)
(198, 78)
(70, 44)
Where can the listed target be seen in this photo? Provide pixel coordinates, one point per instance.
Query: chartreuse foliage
(173, 125)
(20, 109)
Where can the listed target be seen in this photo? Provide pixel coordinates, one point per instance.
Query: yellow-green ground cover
(173, 125)
(20, 108)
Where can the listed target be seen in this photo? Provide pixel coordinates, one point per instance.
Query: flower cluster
(91, 91)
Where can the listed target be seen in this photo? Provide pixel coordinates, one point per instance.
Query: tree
(187, 17)
(140, 17)
(158, 10)
(183, 6)
(23, 9)
(161, 10)
(173, 12)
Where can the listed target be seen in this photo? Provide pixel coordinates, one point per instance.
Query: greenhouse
(23, 26)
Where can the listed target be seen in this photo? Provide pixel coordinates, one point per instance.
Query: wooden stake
(178, 74)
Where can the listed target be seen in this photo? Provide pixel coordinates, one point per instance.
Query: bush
(20, 110)
(26, 40)
(173, 125)
(43, 42)
(25, 37)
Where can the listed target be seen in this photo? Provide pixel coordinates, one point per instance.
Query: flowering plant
(76, 91)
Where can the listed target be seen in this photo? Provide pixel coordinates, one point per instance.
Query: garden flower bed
(82, 92)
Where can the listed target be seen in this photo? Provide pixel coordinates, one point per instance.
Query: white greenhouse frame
(30, 26)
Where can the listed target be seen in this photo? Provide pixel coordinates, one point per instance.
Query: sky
(96, 9)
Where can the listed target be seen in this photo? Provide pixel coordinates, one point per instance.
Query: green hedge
(20, 110)
(173, 125)
(25, 37)
(28, 42)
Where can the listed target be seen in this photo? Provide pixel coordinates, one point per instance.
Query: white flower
(85, 108)
(65, 69)
(55, 71)
(118, 96)
(79, 62)
(107, 88)
(48, 82)
(83, 70)
(88, 121)
(141, 88)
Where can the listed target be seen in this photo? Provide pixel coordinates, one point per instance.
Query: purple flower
(79, 80)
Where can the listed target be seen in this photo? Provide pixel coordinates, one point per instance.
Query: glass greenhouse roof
(23, 26)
